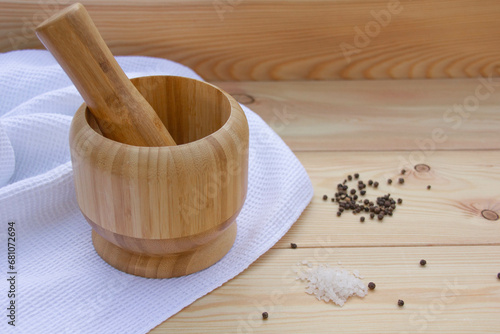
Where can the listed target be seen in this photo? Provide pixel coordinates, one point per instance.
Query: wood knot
(104, 65)
(243, 98)
(489, 214)
(422, 168)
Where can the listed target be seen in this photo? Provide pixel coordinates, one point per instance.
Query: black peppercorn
(372, 215)
(389, 181)
(400, 302)
(400, 201)
(333, 199)
(339, 213)
(265, 315)
(325, 197)
(293, 245)
(375, 184)
(380, 216)
(371, 285)
(370, 182)
(403, 171)
(362, 219)
(363, 192)
(401, 180)
(498, 275)
(349, 177)
(429, 187)
(423, 262)
(356, 175)
(353, 191)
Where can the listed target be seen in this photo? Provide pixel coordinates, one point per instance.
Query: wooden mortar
(165, 211)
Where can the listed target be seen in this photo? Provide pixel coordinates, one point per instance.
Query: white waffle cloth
(62, 285)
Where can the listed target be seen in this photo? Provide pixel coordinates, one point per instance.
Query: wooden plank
(463, 183)
(288, 40)
(456, 292)
(377, 115)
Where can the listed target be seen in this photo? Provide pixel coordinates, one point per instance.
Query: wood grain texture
(120, 110)
(464, 183)
(165, 201)
(456, 292)
(288, 40)
(378, 115)
(443, 225)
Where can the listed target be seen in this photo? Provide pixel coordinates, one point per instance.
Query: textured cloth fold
(62, 285)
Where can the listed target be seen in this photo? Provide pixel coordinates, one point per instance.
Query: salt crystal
(331, 284)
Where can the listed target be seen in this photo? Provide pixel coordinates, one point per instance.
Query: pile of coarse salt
(328, 283)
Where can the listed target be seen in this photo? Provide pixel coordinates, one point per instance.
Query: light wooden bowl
(165, 211)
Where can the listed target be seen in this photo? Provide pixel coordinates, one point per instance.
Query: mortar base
(171, 265)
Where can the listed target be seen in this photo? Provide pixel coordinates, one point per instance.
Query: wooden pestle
(121, 111)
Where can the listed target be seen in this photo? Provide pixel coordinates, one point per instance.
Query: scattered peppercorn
(389, 181)
(347, 199)
(356, 176)
(401, 303)
(423, 262)
(498, 275)
(401, 180)
(403, 171)
(293, 245)
(371, 285)
(325, 197)
(429, 187)
(265, 315)
(400, 201)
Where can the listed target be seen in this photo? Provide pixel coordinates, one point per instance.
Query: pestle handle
(121, 111)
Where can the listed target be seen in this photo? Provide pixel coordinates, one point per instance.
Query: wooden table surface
(376, 128)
